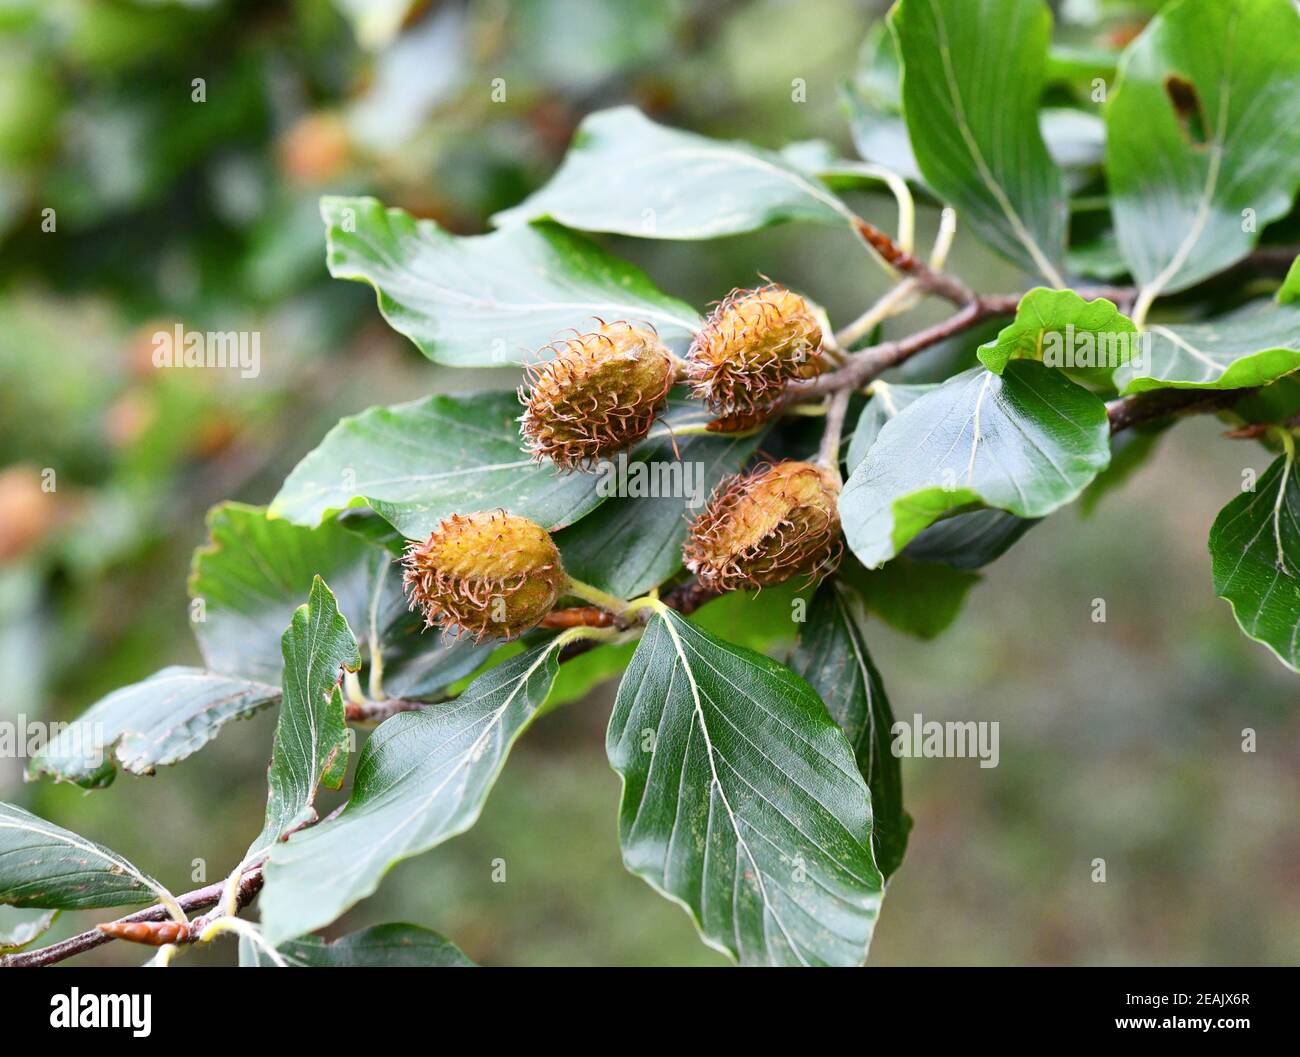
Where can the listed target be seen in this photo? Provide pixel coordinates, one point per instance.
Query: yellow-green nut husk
(753, 344)
(767, 525)
(489, 575)
(597, 396)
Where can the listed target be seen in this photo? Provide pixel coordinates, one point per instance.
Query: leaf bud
(150, 933)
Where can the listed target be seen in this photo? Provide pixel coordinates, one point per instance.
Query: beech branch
(200, 899)
(369, 711)
(866, 365)
(1156, 404)
(860, 370)
(941, 284)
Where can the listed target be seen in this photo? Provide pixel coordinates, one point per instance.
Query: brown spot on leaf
(1186, 102)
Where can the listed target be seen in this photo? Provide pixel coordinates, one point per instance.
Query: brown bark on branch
(376, 711)
(580, 617)
(200, 899)
(1132, 410)
(871, 362)
(940, 283)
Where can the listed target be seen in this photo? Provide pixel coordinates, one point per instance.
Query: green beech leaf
(417, 463)
(489, 300)
(1253, 345)
(742, 800)
(1255, 556)
(919, 598)
(48, 867)
(1202, 136)
(963, 541)
(421, 778)
(1097, 257)
(1027, 441)
(247, 584)
(1275, 403)
(381, 946)
(969, 541)
(970, 95)
(252, 575)
(1075, 139)
(887, 400)
(19, 928)
(153, 723)
(833, 657)
(876, 108)
(311, 737)
(627, 175)
(1290, 290)
(1085, 338)
(633, 542)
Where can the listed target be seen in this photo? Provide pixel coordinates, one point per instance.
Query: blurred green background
(1119, 740)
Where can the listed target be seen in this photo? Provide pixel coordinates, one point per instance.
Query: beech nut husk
(765, 526)
(597, 396)
(489, 575)
(752, 345)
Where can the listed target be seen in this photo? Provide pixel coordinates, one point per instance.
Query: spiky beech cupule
(753, 344)
(490, 575)
(597, 396)
(766, 526)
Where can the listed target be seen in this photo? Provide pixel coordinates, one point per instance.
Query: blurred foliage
(182, 147)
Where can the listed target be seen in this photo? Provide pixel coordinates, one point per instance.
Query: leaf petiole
(596, 597)
(245, 929)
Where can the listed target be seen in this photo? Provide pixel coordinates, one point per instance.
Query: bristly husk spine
(488, 574)
(752, 345)
(598, 395)
(765, 526)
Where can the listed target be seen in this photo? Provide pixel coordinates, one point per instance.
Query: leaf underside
(627, 175)
(1201, 136)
